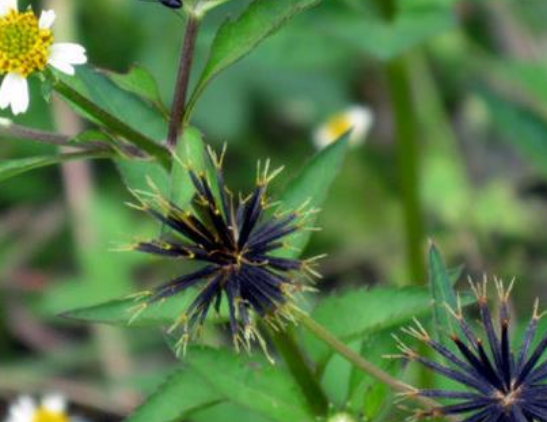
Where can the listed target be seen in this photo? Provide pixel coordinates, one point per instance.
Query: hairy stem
(289, 350)
(176, 126)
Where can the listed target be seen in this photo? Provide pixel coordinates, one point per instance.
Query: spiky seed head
(238, 243)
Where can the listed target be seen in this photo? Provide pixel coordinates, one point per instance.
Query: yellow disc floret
(24, 47)
(45, 415)
(338, 125)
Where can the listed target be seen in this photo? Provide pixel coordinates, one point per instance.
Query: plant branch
(358, 361)
(176, 126)
(12, 130)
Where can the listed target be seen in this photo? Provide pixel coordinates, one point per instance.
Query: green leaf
(442, 292)
(137, 175)
(253, 383)
(521, 128)
(235, 39)
(140, 82)
(12, 168)
(357, 314)
(366, 395)
(101, 101)
(136, 312)
(311, 186)
(190, 152)
(387, 40)
(182, 395)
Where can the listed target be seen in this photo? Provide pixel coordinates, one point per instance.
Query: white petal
(68, 52)
(14, 92)
(357, 119)
(22, 410)
(361, 119)
(46, 19)
(322, 137)
(5, 93)
(62, 66)
(55, 403)
(6, 6)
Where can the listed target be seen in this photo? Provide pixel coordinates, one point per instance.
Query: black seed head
(238, 243)
(500, 385)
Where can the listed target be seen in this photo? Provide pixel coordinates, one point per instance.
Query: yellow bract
(45, 415)
(24, 47)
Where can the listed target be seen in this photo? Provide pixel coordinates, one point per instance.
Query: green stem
(407, 146)
(286, 345)
(359, 362)
(176, 125)
(113, 123)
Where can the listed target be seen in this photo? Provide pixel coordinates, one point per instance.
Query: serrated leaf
(354, 315)
(183, 394)
(311, 187)
(12, 168)
(442, 293)
(237, 38)
(252, 382)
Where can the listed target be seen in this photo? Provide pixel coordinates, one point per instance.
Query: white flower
(357, 118)
(52, 408)
(341, 417)
(26, 47)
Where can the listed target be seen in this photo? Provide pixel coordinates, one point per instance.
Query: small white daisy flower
(26, 47)
(357, 118)
(52, 408)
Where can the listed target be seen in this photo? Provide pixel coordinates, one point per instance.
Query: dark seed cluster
(238, 243)
(500, 385)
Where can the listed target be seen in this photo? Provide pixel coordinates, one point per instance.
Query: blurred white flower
(341, 417)
(52, 408)
(357, 118)
(26, 47)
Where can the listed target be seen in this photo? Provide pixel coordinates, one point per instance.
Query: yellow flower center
(24, 47)
(45, 415)
(338, 125)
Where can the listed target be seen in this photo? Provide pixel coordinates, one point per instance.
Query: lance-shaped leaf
(237, 38)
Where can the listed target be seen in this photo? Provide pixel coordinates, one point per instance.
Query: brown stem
(12, 130)
(176, 128)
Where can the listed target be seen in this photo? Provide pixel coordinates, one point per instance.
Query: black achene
(501, 385)
(238, 243)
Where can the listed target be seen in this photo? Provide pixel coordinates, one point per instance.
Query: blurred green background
(478, 76)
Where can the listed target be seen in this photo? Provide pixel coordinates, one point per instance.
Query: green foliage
(356, 314)
(442, 293)
(182, 395)
(383, 40)
(134, 311)
(523, 129)
(252, 382)
(311, 186)
(12, 168)
(235, 39)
